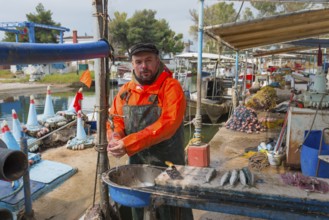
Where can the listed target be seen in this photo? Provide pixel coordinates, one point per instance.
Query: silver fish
(210, 175)
(242, 177)
(249, 176)
(225, 178)
(234, 177)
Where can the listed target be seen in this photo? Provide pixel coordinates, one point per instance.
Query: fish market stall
(204, 188)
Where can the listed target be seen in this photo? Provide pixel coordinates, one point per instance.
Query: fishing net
(244, 119)
(306, 183)
(264, 99)
(258, 161)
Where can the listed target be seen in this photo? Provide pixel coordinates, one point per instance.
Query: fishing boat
(126, 77)
(216, 84)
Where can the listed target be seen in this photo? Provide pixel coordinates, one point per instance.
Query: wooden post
(101, 91)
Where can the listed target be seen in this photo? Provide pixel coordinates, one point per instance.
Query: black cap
(143, 47)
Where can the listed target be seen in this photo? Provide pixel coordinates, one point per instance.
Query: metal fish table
(271, 199)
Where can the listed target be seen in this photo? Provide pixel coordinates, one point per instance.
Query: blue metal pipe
(236, 69)
(37, 53)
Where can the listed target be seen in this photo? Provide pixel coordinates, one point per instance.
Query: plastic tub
(126, 184)
(309, 155)
(275, 159)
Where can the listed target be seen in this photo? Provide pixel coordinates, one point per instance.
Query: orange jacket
(172, 101)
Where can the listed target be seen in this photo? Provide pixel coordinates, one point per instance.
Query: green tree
(215, 14)
(265, 8)
(143, 27)
(118, 30)
(295, 6)
(273, 8)
(247, 14)
(42, 35)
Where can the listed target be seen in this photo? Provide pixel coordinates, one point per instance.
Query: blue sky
(77, 14)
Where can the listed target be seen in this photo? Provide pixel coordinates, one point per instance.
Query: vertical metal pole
(324, 60)
(61, 37)
(236, 69)
(26, 181)
(31, 32)
(198, 119)
(245, 74)
(102, 103)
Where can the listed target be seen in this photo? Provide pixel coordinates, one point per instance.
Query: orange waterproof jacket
(171, 100)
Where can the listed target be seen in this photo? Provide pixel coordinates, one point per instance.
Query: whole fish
(242, 177)
(234, 177)
(210, 175)
(249, 176)
(225, 178)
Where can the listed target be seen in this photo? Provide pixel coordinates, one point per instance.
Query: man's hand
(116, 148)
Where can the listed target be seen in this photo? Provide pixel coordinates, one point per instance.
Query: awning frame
(271, 30)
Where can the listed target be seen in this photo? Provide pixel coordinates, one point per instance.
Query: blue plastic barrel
(309, 155)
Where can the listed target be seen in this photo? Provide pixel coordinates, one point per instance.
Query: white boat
(126, 77)
(215, 88)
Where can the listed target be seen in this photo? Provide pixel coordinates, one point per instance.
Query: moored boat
(216, 89)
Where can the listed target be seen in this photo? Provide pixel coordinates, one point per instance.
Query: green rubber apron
(138, 117)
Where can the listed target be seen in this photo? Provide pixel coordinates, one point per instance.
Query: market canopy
(279, 51)
(300, 45)
(271, 30)
(210, 56)
(311, 42)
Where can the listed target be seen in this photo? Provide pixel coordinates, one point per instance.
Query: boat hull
(212, 109)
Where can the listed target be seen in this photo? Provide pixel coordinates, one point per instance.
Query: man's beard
(144, 81)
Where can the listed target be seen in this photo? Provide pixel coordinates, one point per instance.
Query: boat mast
(198, 119)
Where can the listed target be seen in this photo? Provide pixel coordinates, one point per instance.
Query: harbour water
(62, 101)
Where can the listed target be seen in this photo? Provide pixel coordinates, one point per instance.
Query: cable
(309, 131)
(237, 15)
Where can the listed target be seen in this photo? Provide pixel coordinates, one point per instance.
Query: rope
(58, 129)
(100, 148)
(101, 108)
(95, 182)
(237, 15)
(194, 141)
(197, 122)
(258, 161)
(309, 131)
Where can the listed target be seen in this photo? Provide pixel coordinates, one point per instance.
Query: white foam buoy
(17, 128)
(17, 132)
(49, 107)
(32, 120)
(49, 119)
(81, 134)
(81, 141)
(8, 137)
